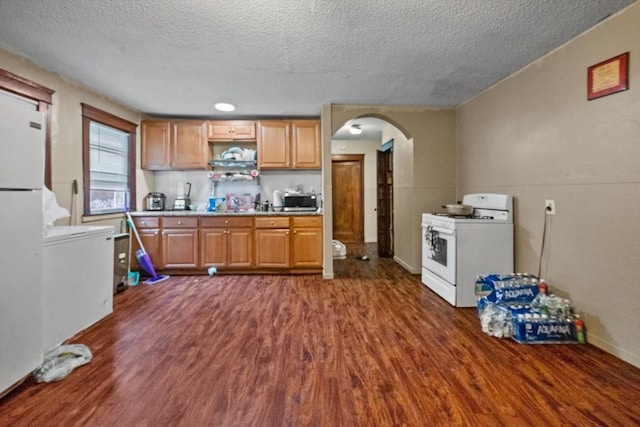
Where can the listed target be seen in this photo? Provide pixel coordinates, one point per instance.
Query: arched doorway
(424, 173)
(362, 184)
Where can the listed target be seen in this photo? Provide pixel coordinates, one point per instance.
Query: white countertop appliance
(22, 131)
(455, 249)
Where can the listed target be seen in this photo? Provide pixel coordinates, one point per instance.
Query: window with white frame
(109, 162)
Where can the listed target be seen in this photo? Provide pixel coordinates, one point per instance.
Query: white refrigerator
(22, 140)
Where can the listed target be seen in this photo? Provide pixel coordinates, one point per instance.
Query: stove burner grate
(452, 216)
(446, 215)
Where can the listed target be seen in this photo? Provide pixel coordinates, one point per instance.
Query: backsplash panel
(171, 183)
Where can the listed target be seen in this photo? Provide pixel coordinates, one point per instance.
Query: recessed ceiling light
(355, 130)
(223, 106)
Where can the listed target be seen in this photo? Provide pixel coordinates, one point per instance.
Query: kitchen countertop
(223, 213)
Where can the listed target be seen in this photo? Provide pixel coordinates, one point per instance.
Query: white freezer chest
(77, 280)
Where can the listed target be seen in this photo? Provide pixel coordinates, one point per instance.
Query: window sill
(102, 217)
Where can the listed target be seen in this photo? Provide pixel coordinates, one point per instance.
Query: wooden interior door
(347, 179)
(384, 194)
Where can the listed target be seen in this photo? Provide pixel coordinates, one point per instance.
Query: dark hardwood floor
(373, 347)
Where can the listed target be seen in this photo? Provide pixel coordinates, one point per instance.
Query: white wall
(66, 133)
(536, 136)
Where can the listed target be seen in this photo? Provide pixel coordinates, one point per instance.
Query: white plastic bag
(61, 360)
(51, 210)
(339, 250)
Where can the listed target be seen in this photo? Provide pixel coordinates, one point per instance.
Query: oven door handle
(444, 231)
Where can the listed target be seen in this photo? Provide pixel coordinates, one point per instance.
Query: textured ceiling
(288, 57)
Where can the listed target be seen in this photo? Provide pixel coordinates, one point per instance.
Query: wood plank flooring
(373, 347)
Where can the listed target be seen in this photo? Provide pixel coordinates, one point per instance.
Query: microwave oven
(299, 202)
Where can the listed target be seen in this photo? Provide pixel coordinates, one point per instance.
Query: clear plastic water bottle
(540, 300)
(568, 308)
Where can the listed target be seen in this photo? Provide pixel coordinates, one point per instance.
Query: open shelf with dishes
(233, 162)
(243, 181)
(233, 170)
(239, 164)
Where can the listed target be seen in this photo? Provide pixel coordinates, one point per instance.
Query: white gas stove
(456, 249)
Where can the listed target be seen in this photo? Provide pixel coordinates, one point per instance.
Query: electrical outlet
(550, 207)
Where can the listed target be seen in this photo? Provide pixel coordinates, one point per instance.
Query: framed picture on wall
(608, 76)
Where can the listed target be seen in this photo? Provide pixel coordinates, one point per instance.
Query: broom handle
(133, 227)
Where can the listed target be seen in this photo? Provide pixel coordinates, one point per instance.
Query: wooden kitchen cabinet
(274, 145)
(213, 247)
(306, 144)
(231, 130)
(156, 145)
(189, 147)
(149, 230)
(272, 242)
(306, 242)
(187, 244)
(294, 144)
(174, 144)
(226, 242)
(180, 242)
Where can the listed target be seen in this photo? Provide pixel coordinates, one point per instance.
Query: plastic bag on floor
(339, 250)
(61, 360)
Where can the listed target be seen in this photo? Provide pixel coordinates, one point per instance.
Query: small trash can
(120, 262)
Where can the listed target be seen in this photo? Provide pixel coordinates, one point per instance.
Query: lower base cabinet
(289, 242)
(306, 242)
(180, 242)
(243, 243)
(149, 232)
(272, 242)
(213, 247)
(226, 242)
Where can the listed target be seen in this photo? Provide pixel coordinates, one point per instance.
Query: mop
(143, 258)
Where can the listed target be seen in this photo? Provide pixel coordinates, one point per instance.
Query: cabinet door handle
(143, 222)
(226, 221)
(295, 231)
(179, 222)
(287, 233)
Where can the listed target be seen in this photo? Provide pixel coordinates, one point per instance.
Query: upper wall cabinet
(293, 144)
(274, 145)
(306, 144)
(231, 130)
(156, 149)
(189, 148)
(174, 144)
